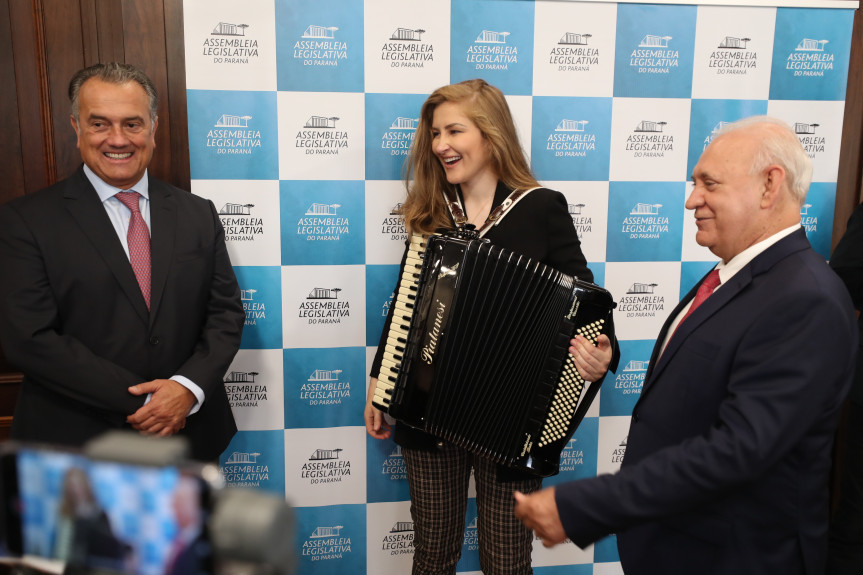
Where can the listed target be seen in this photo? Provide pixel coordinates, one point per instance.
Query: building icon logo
(491, 37)
(732, 43)
(241, 458)
(810, 45)
(231, 121)
(255, 310)
(573, 39)
(652, 41)
(407, 35)
(240, 377)
(636, 365)
(324, 293)
(640, 209)
(812, 143)
(323, 209)
(228, 29)
(323, 454)
(571, 125)
(641, 288)
(320, 32)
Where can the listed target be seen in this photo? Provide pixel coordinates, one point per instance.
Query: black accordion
(477, 350)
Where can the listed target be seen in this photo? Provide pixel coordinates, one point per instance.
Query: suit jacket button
(154, 340)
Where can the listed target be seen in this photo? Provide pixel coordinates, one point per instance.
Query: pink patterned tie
(710, 283)
(138, 238)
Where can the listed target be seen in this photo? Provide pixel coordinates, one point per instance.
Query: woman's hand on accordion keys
(376, 425)
(591, 360)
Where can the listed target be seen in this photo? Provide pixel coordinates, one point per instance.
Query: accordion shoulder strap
(494, 218)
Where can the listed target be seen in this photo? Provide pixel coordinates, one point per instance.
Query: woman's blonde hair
(425, 209)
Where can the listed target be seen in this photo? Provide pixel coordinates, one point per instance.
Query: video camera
(134, 505)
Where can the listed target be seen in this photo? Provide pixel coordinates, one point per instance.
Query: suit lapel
(760, 264)
(163, 219)
(82, 203)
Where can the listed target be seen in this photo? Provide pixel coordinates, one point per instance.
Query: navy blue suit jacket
(728, 454)
(73, 319)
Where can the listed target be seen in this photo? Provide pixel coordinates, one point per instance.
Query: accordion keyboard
(570, 387)
(403, 302)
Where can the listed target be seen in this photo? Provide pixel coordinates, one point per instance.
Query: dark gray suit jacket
(73, 319)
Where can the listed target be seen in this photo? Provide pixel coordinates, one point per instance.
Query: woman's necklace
(480, 216)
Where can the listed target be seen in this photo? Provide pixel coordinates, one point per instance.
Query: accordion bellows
(477, 350)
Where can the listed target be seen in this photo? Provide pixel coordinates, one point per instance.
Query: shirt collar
(735, 264)
(107, 191)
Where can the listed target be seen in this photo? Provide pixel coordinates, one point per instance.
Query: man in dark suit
(122, 313)
(728, 454)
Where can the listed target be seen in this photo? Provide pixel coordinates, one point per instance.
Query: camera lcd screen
(113, 517)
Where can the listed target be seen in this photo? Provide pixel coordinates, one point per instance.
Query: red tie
(138, 239)
(706, 288)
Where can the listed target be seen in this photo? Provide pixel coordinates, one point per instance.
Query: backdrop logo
(471, 535)
(809, 58)
(400, 540)
(321, 222)
(319, 136)
(393, 466)
(641, 301)
(393, 225)
(243, 469)
(709, 138)
(400, 135)
(654, 55)
(572, 53)
(809, 222)
(255, 310)
(325, 387)
(326, 542)
(582, 222)
(631, 378)
(326, 466)
(645, 222)
(571, 139)
(732, 57)
(318, 46)
(812, 143)
(232, 135)
(571, 456)
(229, 44)
(239, 224)
(490, 51)
(242, 389)
(618, 453)
(648, 140)
(406, 49)
(323, 306)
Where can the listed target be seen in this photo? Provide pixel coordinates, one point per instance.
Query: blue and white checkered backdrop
(300, 117)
